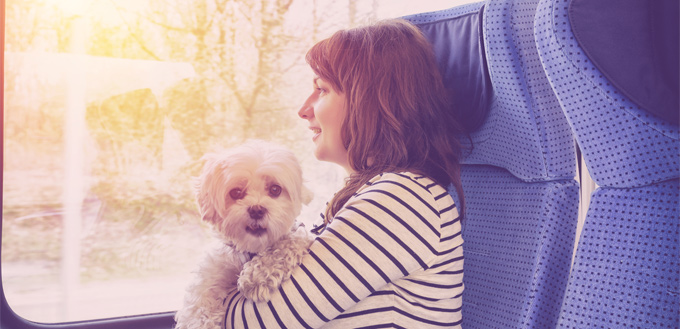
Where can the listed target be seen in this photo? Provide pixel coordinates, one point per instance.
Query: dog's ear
(207, 209)
(307, 195)
(204, 184)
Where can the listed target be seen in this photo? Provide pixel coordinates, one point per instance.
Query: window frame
(8, 318)
(11, 320)
(165, 320)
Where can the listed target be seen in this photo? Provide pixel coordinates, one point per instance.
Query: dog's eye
(237, 193)
(275, 190)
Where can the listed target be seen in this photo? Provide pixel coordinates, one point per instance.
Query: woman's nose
(307, 109)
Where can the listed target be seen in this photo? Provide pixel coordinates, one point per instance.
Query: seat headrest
(459, 48)
(634, 43)
(488, 59)
(623, 144)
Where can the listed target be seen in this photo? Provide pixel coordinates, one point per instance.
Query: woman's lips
(316, 131)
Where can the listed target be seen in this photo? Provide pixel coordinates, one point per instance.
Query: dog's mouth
(256, 229)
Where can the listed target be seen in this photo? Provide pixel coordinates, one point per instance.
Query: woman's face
(325, 111)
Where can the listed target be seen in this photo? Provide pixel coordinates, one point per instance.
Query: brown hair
(398, 113)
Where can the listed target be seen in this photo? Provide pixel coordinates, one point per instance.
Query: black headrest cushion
(459, 48)
(634, 43)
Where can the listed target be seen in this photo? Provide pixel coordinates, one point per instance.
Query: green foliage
(143, 148)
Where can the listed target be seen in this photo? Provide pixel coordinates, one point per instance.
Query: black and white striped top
(391, 258)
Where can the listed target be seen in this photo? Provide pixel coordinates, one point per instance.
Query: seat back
(627, 264)
(520, 194)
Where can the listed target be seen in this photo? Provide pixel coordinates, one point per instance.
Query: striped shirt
(391, 258)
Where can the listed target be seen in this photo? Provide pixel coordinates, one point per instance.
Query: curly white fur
(251, 195)
(265, 272)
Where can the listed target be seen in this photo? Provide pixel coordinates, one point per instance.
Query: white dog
(251, 196)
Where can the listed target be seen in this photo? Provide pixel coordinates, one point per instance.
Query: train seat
(616, 78)
(521, 198)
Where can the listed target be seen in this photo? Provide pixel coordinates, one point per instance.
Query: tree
(240, 52)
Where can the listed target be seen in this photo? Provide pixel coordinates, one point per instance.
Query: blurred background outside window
(109, 106)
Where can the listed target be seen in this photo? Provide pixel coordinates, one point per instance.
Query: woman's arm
(387, 231)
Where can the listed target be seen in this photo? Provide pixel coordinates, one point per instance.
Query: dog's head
(251, 194)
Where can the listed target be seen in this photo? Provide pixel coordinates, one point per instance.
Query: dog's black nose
(257, 212)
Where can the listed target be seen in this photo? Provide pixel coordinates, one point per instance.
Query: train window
(108, 108)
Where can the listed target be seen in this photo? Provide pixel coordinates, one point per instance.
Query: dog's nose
(257, 212)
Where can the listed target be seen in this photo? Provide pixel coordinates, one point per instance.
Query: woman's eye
(275, 190)
(237, 193)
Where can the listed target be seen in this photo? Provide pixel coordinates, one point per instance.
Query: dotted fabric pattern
(451, 13)
(526, 131)
(626, 270)
(521, 198)
(519, 239)
(623, 145)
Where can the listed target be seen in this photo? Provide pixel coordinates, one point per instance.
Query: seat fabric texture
(623, 145)
(519, 239)
(626, 269)
(521, 199)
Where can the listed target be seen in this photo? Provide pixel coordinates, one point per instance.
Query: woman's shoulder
(406, 193)
(404, 177)
(405, 181)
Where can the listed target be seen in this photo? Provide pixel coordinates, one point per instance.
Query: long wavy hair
(398, 112)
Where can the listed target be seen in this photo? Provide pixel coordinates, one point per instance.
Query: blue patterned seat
(520, 193)
(627, 264)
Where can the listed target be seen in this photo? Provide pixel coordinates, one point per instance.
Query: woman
(390, 251)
